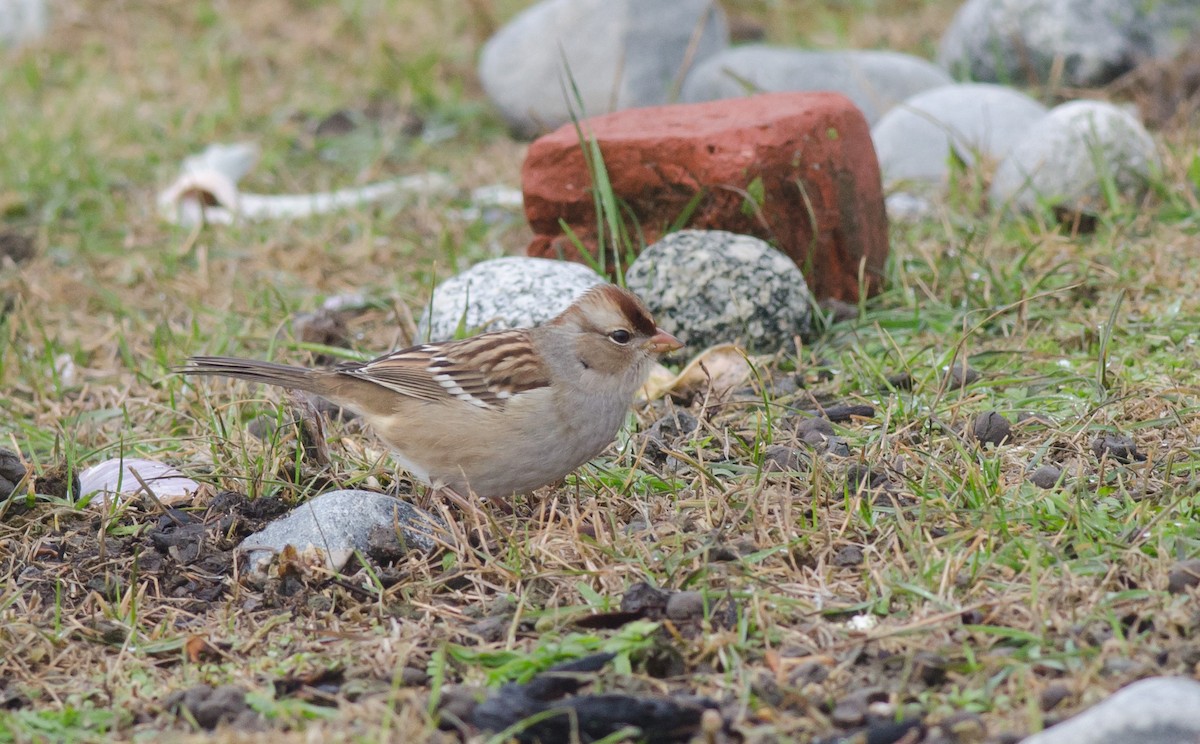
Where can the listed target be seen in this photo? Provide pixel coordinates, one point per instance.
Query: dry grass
(983, 590)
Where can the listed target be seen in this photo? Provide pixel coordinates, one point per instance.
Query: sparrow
(497, 414)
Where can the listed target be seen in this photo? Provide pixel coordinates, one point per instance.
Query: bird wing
(485, 371)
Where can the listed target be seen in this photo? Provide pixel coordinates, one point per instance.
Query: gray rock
(501, 293)
(1159, 710)
(1018, 41)
(914, 140)
(338, 523)
(1055, 162)
(621, 53)
(874, 80)
(709, 287)
(22, 21)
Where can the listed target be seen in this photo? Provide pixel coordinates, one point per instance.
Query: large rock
(874, 80)
(621, 54)
(1160, 710)
(1018, 41)
(1068, 156)
(914, 140)
(709, 287)
(796, 169)
(502, 293)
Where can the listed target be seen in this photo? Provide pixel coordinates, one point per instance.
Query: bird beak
(662, 341)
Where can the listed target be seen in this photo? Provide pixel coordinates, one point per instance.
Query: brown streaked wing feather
(485, 370)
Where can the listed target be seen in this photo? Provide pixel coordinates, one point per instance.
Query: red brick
(658, 158)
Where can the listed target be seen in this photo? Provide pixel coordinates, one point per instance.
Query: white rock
(1159, 710)
(336, 524)
(501, 293)
(874, 80)
(1055, 163)
(621, 54)
(915, 139)
(709, 287)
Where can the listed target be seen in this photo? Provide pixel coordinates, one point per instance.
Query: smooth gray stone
(338, 523)
(1055, 163)
(621, 53)
(502, 293)
(874, 80)
(1159, 710)
(709, 287)
(1010, 41)
(22, 21)
(914, 140)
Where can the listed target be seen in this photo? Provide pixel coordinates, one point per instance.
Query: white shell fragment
(206, 191)
(119, 478)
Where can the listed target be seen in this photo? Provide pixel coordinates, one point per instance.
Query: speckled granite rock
(1055, 162)
(338, 523)
(510, 292)
(1159, 710)
(710, 286)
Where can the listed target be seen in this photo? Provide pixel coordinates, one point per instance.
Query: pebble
(1046, 476)
(1183, 576)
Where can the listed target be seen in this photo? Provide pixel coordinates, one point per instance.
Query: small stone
(413, 677)
(1116, 447)
(930, 668)
(684, 606)
(990, 427)
(964, 727)
(900, 381)
(814, 425)
(1052, 695)
(779, 458)
(961, 375)
(646, 599)
(1183, 576)
(15, 246)
(1046, 476)
(852, 710)
(848, 555)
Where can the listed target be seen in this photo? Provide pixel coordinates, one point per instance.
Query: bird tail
(269, 373)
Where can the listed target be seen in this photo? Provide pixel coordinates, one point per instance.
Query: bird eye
(621, 336)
